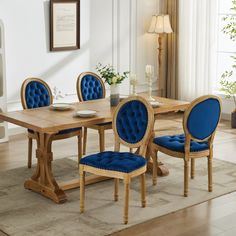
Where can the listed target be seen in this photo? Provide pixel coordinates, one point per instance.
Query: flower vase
(115, 95)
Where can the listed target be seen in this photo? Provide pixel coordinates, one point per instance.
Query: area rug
(23, 212)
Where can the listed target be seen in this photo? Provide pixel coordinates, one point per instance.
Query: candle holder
(149, 80)
(133, 84)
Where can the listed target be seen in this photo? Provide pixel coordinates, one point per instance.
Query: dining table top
(47, 120)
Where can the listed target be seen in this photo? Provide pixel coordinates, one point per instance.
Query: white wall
(112, 31)
(145, 47)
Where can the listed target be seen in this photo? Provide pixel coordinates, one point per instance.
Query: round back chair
(202, 117)
(90, 86)
(35, 93)
(133, 122)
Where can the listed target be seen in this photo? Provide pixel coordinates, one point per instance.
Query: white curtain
(197, 47)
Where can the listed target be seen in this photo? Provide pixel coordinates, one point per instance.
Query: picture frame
(64, 25)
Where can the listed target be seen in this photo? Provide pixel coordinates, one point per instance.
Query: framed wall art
(64, 25)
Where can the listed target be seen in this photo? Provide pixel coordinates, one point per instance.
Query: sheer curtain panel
(197, 47)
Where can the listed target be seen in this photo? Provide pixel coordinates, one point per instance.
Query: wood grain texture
(100, 127)
(214, 217)
(187, 155)
(34, 135)
(141, 146)
(46, 122)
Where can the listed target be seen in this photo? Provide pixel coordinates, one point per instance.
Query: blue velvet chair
(90, 87)
(36, 93)
(132, 124)
(199, 123)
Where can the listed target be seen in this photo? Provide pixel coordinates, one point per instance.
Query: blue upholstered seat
(115, 161)
(65, 131)
(177, 142)
(131, 124)
(91, 88)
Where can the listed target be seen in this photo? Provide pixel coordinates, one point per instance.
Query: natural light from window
(226, 47)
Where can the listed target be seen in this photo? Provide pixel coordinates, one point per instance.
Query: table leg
(162, 170)
(43, 180)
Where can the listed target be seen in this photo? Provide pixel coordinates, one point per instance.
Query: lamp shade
(160, 24)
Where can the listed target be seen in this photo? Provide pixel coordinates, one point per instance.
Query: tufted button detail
(36, 95)
(91, 88)
(115, 161)
(132, 120)
(177, 142)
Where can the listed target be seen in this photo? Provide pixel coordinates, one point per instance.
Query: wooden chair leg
(79, 147)
(143, 190)
(30, 144)
(192, 168)
(131, 150)
(126, 206)
(85, 140)
(154, 170)
(210, 172)
(101, 140)
(186, 177)
(116, 189)
(82, 190)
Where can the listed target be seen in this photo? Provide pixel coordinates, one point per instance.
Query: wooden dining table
(46, 122)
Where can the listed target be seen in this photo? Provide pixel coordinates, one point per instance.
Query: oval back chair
(90, 87)
(133, 122)
(202, 117)
(36, 93)
(199, 123)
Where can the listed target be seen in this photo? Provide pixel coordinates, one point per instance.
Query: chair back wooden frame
(188, 136)
(79, 80)
(35, 135)
(142, 144)
(23, 88)
(99, 127)
(187, 154)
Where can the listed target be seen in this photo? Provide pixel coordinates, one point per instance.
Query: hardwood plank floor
(215, 217)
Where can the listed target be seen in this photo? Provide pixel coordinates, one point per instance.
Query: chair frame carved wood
(141, 150)
(187, 155)
(34, 135)
(100, 128)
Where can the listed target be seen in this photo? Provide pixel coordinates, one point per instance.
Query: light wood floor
(215, 217)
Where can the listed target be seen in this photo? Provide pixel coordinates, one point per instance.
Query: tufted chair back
(133, 121)
(35, 93)
(202, 117)
(90, 86)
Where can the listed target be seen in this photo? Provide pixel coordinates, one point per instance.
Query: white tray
(86, 113)
(61, 106)
(155, 104)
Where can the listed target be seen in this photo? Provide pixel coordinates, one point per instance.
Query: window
(226, 47)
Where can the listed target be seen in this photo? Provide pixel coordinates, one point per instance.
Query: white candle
(148, 70)
(133, 79)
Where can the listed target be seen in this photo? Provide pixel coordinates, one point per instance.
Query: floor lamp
(160, 24)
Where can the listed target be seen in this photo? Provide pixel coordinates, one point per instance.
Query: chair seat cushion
(65, 131)
(115, 161)
(177, 142)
